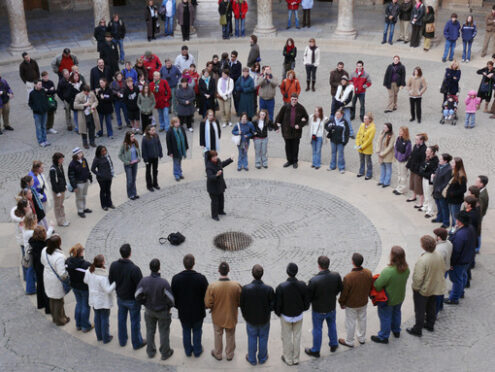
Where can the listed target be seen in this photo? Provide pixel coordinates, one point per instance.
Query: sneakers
(224, 125)
(45, 144)
(65, 224)
(52, 131)
(191, 130)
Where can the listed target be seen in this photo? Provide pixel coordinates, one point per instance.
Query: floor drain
(232, 241)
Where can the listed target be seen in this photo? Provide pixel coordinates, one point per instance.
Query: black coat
(109, 52)
(117, 29)
(95, 75)
(456, 191)
(235, 70)
(401, 71)
(202, 140)
(105, 101)
(291, 298)
(442, 178)
(131, 97)
(189, 289)
(323, 290)
(283, 118)
(263, 133)
(99, 35)
(392, 10)
(38, 101)
(127, 276)
(64, 88)
(428, 167)
(216, 184)
(172, 148)
(336, 133)
(29, 71)
(57, 179)
(79, 172)
(101, 168)
(151, 148)
(257, 302)
(417, 158)
(76, 276)
(405, 10)
(418, 13)
(206, 103)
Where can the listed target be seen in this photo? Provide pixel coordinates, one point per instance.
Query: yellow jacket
(364, 138)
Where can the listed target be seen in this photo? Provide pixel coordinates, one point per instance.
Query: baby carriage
(449, 109)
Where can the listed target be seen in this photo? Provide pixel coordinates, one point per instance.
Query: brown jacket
(335, 78)
(357, 287)
(416, 86)
(490, 25)
(222, 298)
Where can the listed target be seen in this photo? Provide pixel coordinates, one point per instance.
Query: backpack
(173, 238)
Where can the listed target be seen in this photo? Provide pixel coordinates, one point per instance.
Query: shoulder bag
(236, 138)
(65, 282)
(27, 258)
(446, 188)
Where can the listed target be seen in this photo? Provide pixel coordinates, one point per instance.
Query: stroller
(449, 109)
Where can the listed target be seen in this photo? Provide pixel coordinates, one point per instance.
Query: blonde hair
(30, 221)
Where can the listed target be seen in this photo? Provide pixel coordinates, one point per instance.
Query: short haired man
(155, 294)
(361, 81)
(428, 283)
(64, 61)
(5, 96)
(172, 75)
(184, 60)
(484, 200)
(336, 77)
(354, 299)
(127, 276)
(189, 289)
(267, 84)
(392, 11)
(29, 71)
(257, 302)
(451, 33)
(38, 102)
(109, 52)
(395, 79)
(323, 290)
(235, 70)
(292, 300)
(254, 51)
(444, 249)
(100, 71)
(222, 298)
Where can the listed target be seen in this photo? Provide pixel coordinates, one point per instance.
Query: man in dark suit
(215, 184)
(109, 52)
(100, 71)
(235, 68)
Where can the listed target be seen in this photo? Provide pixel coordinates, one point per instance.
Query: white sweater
(343, 97)
(100, 289)
(225, 94)
(316, 127)
(307, 56)
(53, 286)
(18, 227)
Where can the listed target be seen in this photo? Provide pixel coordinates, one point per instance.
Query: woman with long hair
(130, 155)
(245, 129)
(30, 222)
(416, 85)
(393, 280)
(177, 146)
(59, 186)
(311, 60)
(417, 157)
(80, 178)
(146, 103)
(131, 95)
(102, 167)
(429, 27)
(261, 126)
(100, 297)
(456, 189)
(37, 242)
(76, 85)
(152, 152)
(468, 33)
(40, 184)
(317, 125)
(290, 53)
(385, 154)
(290, 85)
(426, 171)
(207, 90)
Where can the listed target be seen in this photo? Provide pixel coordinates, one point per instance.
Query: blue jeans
(447, 112)
(169, 25)
(120, 43)
(391, 27)
(466, 49)
(163, 118)
(257, 341)
(390, 318)
(316, 146)
(240, 23)
(385, 173)
(454, 210)
(242, 162)
(120, 105)
(102, 324)
(81, 314)
(268, 105)
(369, 165)
(226, 31)
(337, 156)
(347, 116)
(177, 168)
(130, 175)
(29, 277)
(458, 277)
(296, 15)
(197, 332)
(443, 211)
(470, 120)
(40, 124)
(107, 118)
(449, 46)
(318, 319)
(362, 99)
(134, 310)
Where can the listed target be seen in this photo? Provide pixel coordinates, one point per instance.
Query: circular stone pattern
(286, 222)
(232, 241)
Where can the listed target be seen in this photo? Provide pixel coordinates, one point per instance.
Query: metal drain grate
(232, 241)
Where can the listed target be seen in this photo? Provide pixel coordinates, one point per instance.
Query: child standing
(472, 104)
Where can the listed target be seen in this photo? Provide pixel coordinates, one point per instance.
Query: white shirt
(292, 319)
(317, 126)
(152, 11)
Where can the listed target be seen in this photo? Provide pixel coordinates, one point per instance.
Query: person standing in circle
(364, 145)
(215, 184)
(385, 154)
(102, 167)
(130, 155)
(311, 60)
(402, 151)
(80, 177)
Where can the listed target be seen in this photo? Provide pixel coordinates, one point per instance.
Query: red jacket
(293, 4)
(152, 65)
(162, 94)
(240, 9)
(361, 81)
(379, 298)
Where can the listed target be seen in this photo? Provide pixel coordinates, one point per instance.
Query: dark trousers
(424, 306)
(151, 178)
(292, 149)
(90, 129)
(415, 35)
(145, 120)
(186, 120)
(163, 318)
(105, 193)
(197, 331)
(310, 72)
(57, 310)
(102, 324)
(355, 97)
(151, 31)
(236, 95)
(40, 288)
(217, 204)
(185, 32)
(306, 18)
(415, 104)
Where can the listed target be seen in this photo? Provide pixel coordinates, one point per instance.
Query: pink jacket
(472, 104)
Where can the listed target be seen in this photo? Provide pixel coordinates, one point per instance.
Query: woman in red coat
(161, 90)
(293, 6)
(240, 8)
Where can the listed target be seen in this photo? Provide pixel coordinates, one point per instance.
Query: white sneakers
(191, 130)
(52, 131)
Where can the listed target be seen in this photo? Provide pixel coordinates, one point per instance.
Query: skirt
(416, 183)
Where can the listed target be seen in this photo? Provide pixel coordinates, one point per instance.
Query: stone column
(101, 9)
(345, 23)
(19, 40)
(264, 26)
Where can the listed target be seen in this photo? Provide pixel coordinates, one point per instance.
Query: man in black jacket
(63, 92)
(110, 54)
(189, 289)
(156, 295)
(395, 79)
(323, 290)
(100, 71)
(38, 102)
(405, 10)
(292, 299)
(215, 183)
(29, 71)
(127, 276)
(116, 27)
(235, 68)
(257, 302)
(391, 16)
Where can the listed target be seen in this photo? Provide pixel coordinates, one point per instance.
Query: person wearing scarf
(177, 147)
(311, 62)
(102, 167)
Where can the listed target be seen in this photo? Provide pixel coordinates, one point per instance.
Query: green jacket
(125, 155)
(394, 284)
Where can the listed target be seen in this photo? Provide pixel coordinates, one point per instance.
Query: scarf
(288, 48)
(206, 80)
(36, 198)
(208, 134)
(313, 49)
(112, 172)
(181, 145)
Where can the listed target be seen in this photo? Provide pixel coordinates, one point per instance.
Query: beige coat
(385, 153)
(79, 102)
(416, 86)
(223, 298)
(429, 275)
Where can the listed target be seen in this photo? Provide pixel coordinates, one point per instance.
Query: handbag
(446, 188)
(430, 27)
(236, 138)
(27, 258)
(173, 238)
(52, 104)
(65, 282)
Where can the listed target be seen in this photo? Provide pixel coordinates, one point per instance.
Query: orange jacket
(288, 87)
(378, 297)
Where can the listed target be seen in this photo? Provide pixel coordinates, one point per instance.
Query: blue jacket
(463, 245)
(164, 2)
(172, 75)
(451, 30)
(132, 74)
(247, 130)
(468, 32)
(307, 4)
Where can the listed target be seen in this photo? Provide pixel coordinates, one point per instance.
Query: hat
(108, 34)
(76, 151)
(292, 269)
(66, 51)
(463, 217)
(472, 93)
(344, 77)
(147, 53)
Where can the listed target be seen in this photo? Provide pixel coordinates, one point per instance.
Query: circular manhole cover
(232, 241)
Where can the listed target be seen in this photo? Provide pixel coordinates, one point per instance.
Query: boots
(307, 86)
(313, 85)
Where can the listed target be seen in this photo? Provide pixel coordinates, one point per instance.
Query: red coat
(240, 9)
(152, 65)
(293, 4)
(163, 95)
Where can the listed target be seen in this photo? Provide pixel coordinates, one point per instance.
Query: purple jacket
(403, 155)
(5, 89)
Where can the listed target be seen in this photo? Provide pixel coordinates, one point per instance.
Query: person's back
(323, 290)
(429, 275)
(224, 296)
(257, 302)
(189, 288)
(126, 275)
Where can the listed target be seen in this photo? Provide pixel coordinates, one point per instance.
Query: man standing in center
(361, 82)
(394, 79)
(323, 290)
(267, 84)
(127, 276)
(223, 298)
(292, 117)
(354, 299)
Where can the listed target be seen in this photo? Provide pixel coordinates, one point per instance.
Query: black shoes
(295, 165)
(222, 213)
(309, 352)
(430, 329)
(141, 346)
(151, 189)
(359, 175)
(288, 164)
(367, 178)
(87, 210)
(81, 214)
(396, 192)
(158, 187)
(334, 348)
(216, 218)
(379, 340)
(167, 356)
(413, 332)
(448, 301)
(396, 334)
